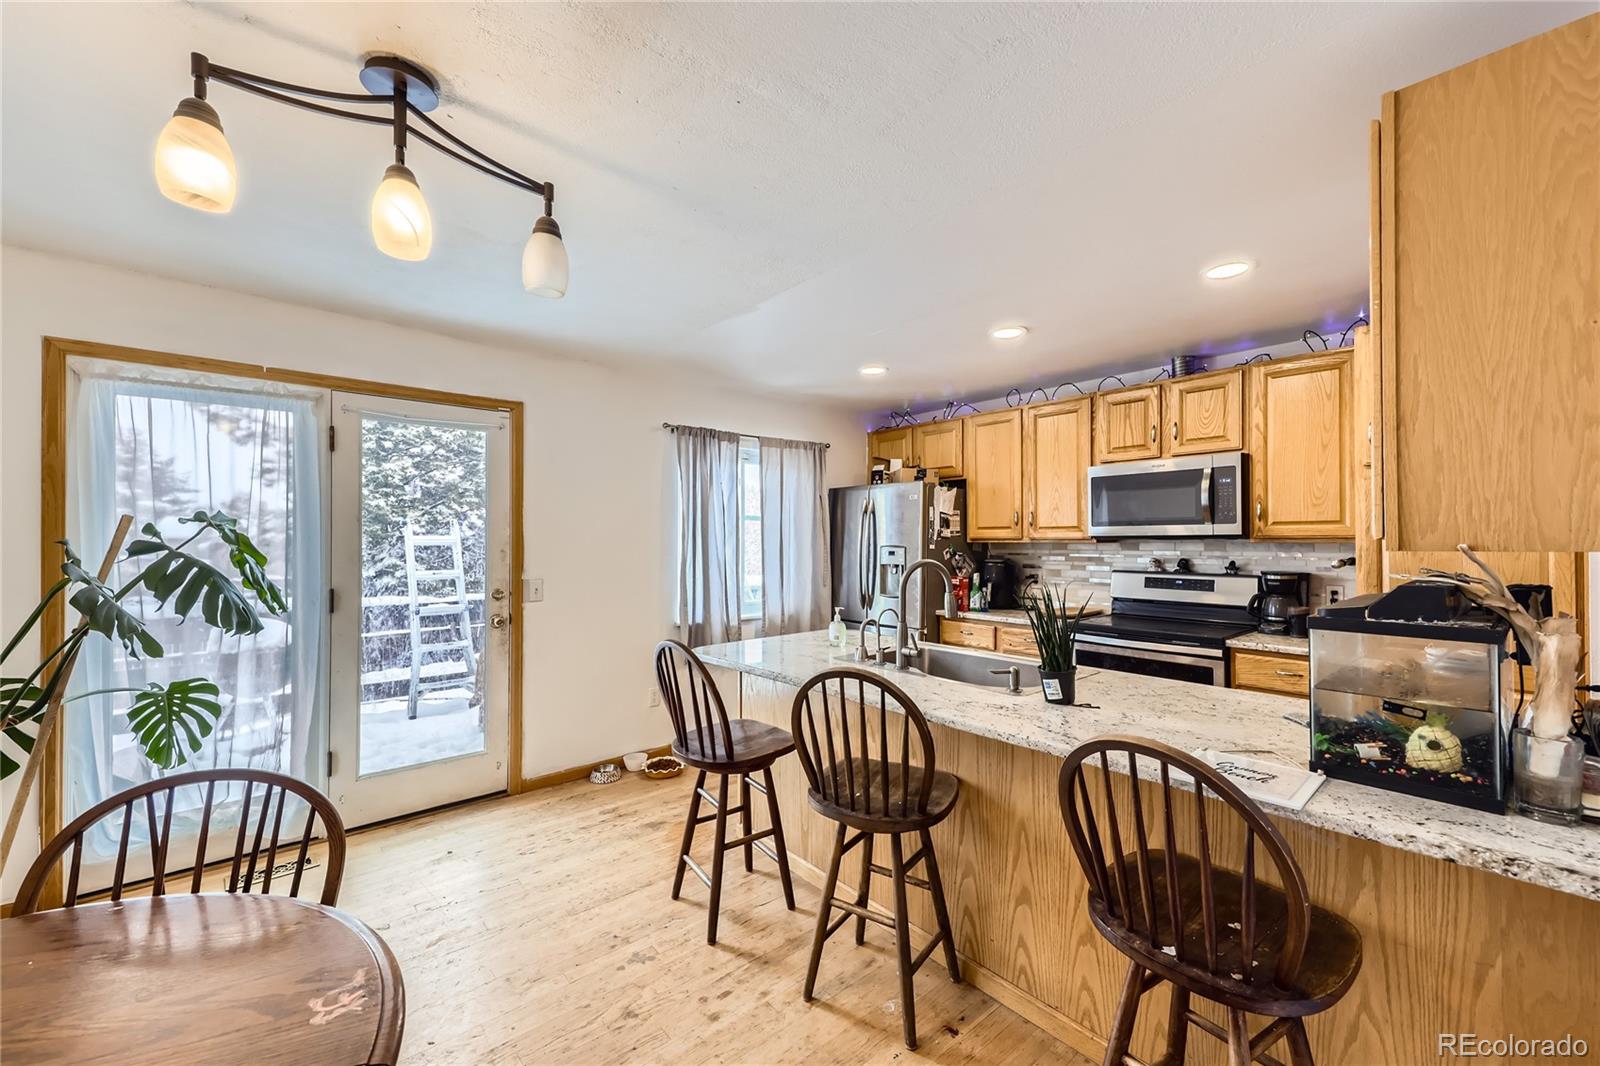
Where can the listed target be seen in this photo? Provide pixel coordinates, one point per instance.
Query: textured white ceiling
(770, 193)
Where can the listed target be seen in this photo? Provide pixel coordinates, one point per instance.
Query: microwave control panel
(1225, 495)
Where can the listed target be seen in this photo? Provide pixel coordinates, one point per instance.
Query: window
(749, 530)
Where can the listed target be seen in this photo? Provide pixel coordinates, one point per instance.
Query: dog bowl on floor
(662, 767)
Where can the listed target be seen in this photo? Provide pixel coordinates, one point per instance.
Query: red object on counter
(963, 590)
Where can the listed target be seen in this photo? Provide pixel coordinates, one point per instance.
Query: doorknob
(498, 621)
(498, 594)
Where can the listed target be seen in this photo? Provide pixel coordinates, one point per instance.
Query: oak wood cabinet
(1302, 448)
(994, 475)
(1488, 225)
(1055, 462)
(889, 444)
(1204, 413)
(964, 634)
(1262, 671)
(1127, 424)
(940, 446)
(1016, 640)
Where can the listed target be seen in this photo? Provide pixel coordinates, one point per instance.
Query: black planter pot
(1060, 686)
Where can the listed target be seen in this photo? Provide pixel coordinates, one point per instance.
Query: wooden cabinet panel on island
(1204, 413)
(940, 446)
(1127, 424)
(1302, 448)
(889, 444)
(994, 475)
(1056, 447)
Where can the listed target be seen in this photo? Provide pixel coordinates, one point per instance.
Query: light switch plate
(533, 590)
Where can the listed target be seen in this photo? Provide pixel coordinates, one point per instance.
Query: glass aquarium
(1414, 706)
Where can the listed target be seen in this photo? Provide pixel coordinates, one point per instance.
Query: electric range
(1169, 624)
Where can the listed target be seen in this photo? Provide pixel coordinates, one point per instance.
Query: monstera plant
(169, 721)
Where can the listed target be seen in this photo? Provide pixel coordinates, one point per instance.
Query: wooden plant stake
(47, 724)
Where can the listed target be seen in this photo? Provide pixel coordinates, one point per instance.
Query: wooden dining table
(209, 978)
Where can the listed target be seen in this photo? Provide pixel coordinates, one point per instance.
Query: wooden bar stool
(705, 739)
(862, 775)
(1207, 930)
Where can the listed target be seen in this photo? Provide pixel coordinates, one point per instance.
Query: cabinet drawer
(1265, 672)
(1016, 640)
(967, 634)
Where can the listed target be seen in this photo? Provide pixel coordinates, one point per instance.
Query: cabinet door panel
(1205, 413)
(1055, 464)
(938, 446)
(889, 444)
(994, 476)
(1127, 424)
(1302, 449)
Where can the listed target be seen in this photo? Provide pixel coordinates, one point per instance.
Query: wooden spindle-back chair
(154, 800)
(705, 738)
(869, 760)
(1253, 945)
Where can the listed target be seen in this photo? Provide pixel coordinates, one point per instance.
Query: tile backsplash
(1089, 563)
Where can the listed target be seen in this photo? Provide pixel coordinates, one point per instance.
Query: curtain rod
(674, 427)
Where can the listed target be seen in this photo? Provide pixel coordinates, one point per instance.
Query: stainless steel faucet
(877, 631)
(905, 641)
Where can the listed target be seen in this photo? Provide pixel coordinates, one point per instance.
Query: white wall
(597, 497)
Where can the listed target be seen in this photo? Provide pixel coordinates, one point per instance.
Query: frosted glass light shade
(544, 260)
(194, 165)
(401, 224)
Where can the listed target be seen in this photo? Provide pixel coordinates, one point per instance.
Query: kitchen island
(1472, 922)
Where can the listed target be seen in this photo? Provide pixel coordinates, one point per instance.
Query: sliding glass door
(421, 583)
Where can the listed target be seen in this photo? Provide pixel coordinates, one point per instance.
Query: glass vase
(1547, 777)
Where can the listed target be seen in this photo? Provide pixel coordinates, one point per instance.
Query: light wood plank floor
(538, 930)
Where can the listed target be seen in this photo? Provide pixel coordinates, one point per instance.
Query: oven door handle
(1163, 651)
(1205, 497)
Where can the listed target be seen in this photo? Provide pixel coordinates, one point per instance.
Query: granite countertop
(1192, 717)
(1277, 643)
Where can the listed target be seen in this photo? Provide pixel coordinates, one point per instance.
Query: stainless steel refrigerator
(879, 531)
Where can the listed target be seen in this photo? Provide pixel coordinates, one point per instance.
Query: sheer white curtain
(707, 465)
(160, 450)
(796, 574)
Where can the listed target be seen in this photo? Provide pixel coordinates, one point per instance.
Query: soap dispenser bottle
(837, 634)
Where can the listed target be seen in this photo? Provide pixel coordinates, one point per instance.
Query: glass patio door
(421, 561)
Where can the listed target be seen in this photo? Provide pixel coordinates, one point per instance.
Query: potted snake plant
(1055, 630)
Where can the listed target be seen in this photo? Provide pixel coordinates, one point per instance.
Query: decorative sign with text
(1265, 782)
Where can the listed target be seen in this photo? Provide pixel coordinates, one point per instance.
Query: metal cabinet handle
(1287, 673)
(1174, 432)
(1016, 518)
(1030, 519)
(1258, 510)
(1152, 433)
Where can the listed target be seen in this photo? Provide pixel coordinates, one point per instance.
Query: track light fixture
(194, 163)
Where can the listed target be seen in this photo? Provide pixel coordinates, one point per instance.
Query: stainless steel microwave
(1190, 496)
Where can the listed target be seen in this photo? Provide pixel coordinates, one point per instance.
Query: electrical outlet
(655, 697)
(533, 590)
(1334, 596)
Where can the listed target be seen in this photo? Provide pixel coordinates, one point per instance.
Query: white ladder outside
(443, 597)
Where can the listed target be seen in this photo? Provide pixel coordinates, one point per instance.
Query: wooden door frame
(53, 519)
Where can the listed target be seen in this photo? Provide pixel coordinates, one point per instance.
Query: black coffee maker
(1281, 591)
(1001, 580)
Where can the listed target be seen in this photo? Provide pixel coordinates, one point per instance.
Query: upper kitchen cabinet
(1204, 413)
(994, 475)
(1127, 424)
(1302, 448)
(1488, 224)
(1055, 463)
(940, 446)
(889, 444)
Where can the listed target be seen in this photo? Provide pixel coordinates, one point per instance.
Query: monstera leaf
(24, 704)
(104, 613)
(186, 581)
(247, 559)
(170, 721)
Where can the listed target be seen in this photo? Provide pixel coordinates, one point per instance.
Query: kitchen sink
(973, 667)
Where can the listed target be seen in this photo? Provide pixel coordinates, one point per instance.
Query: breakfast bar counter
(1471, 922)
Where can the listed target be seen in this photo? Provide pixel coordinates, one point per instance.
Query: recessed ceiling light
(1231, 269)
(1008, 333)
(872, 370)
